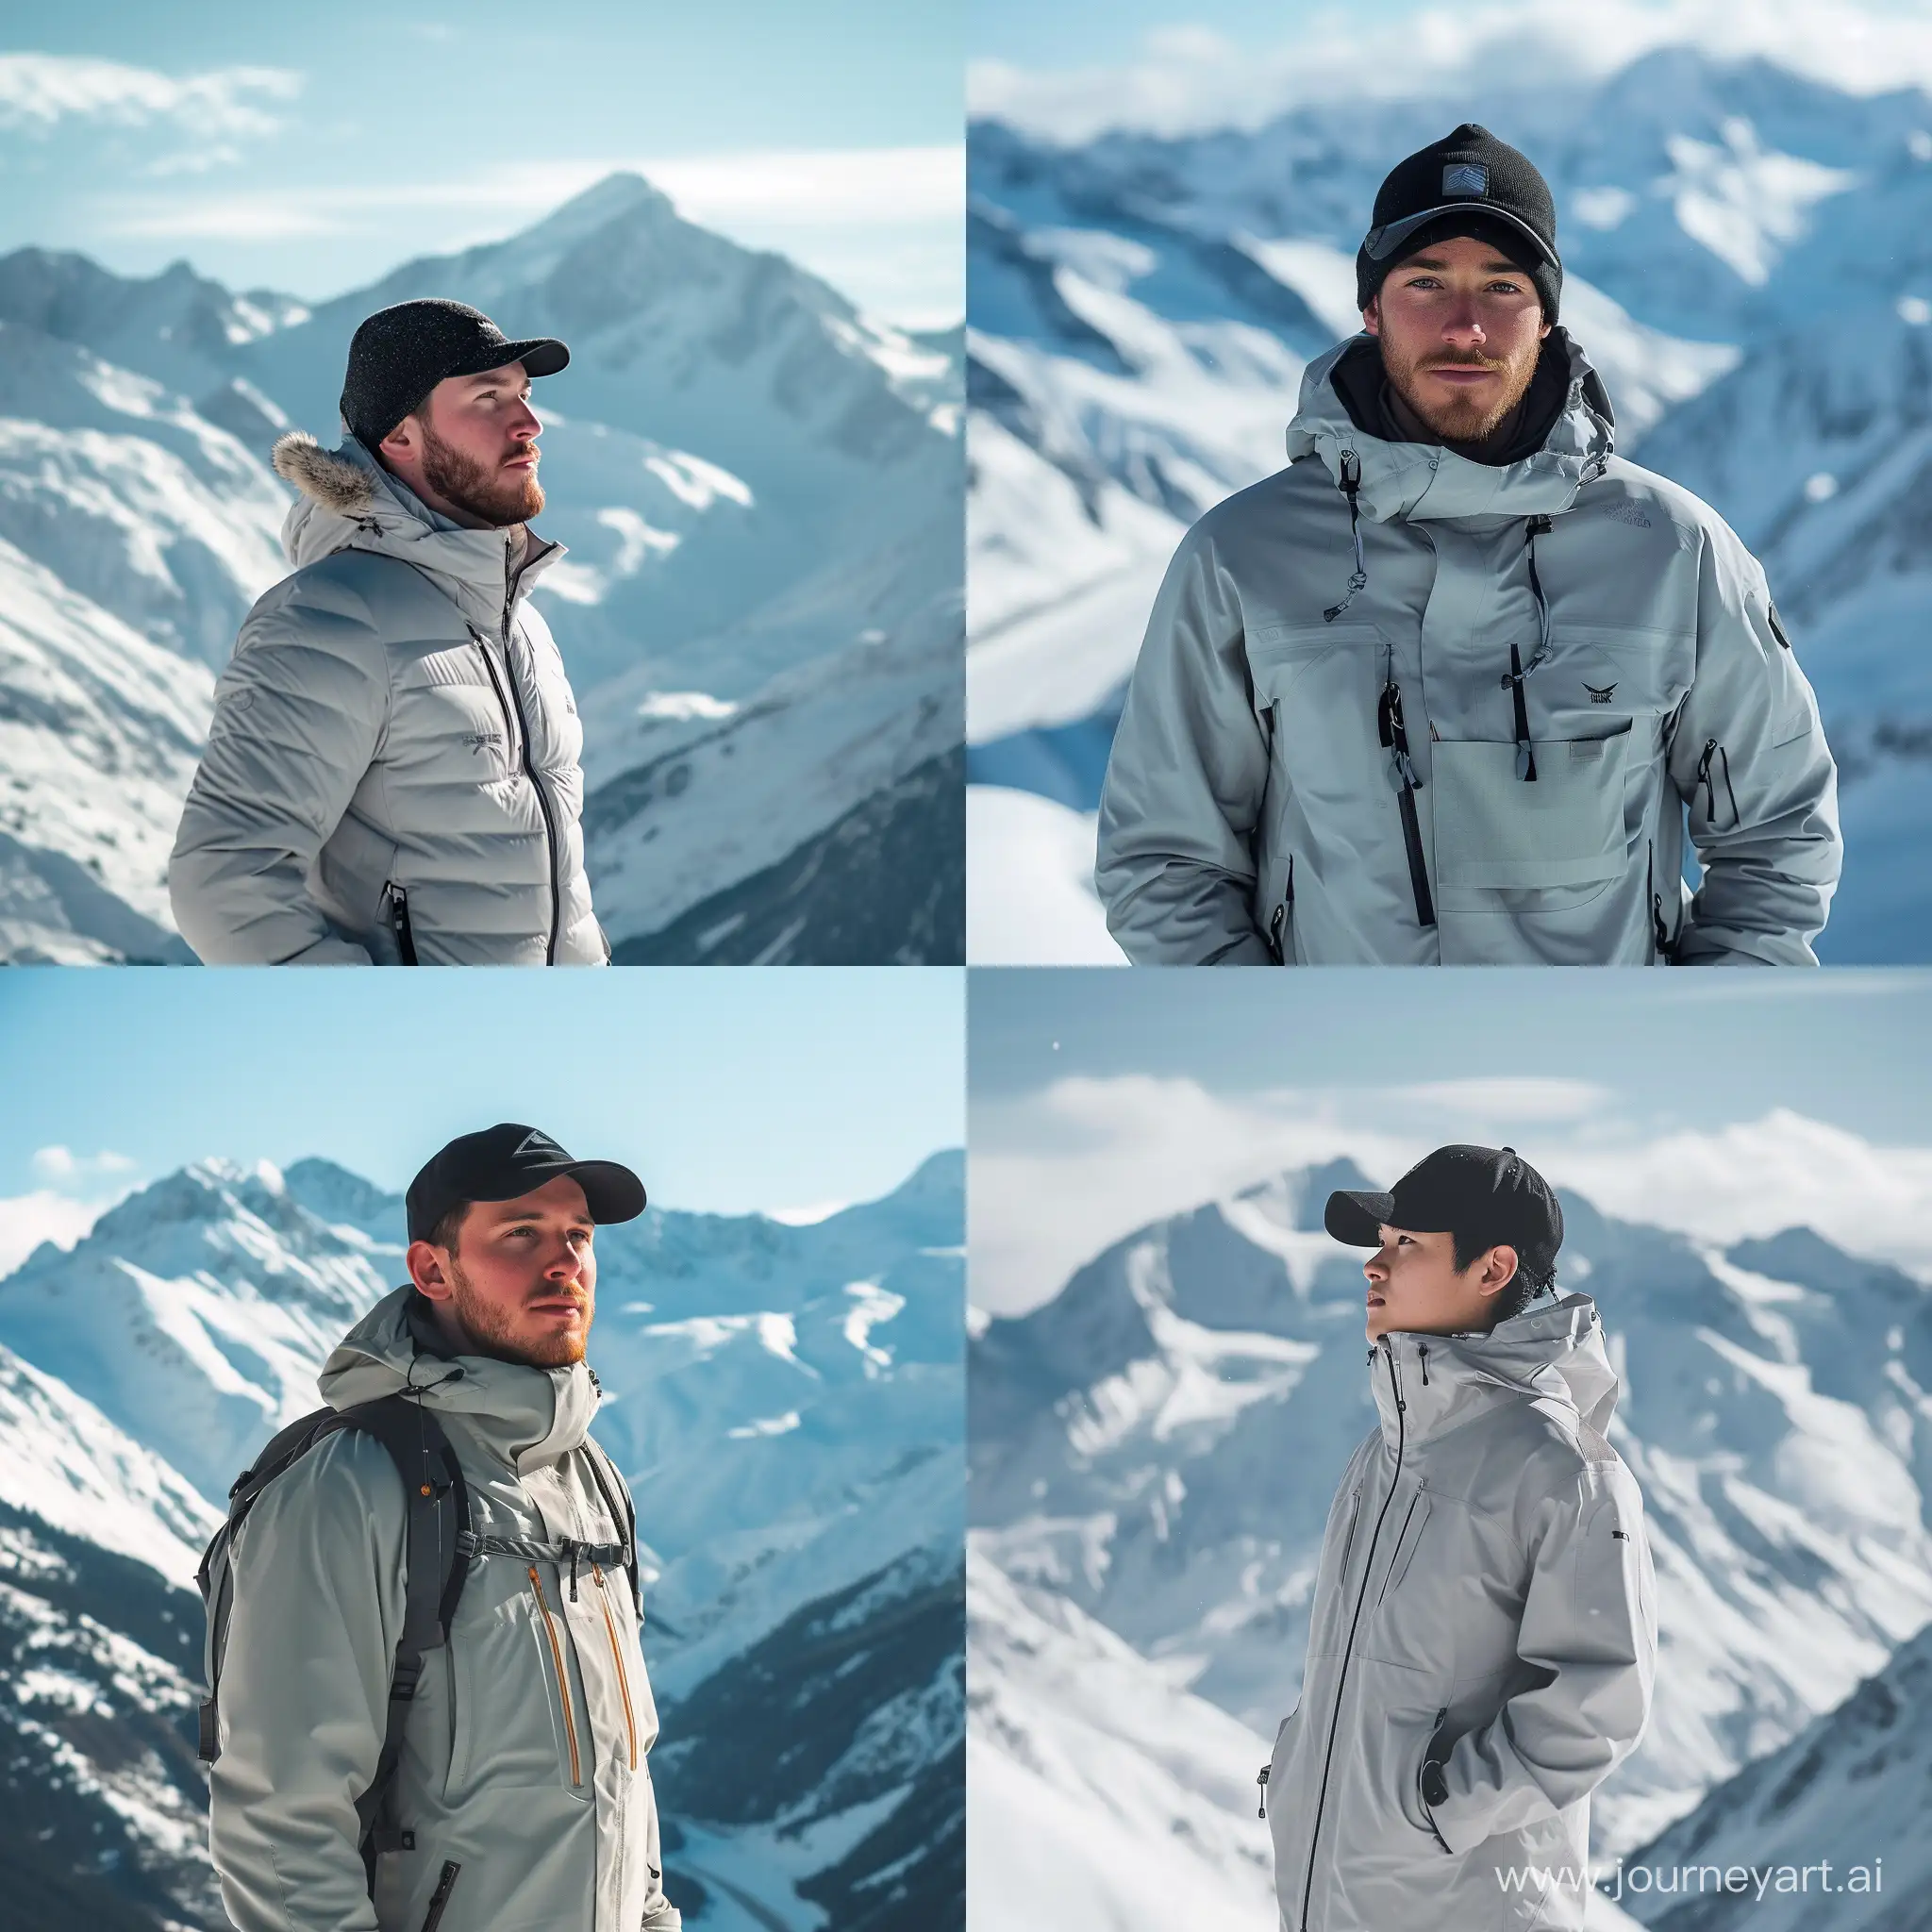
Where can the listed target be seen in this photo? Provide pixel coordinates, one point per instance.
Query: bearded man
(518, 1794)
(1452, 687)
(391, 772)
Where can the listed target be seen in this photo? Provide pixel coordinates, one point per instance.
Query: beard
(496, 499)
(1458, 418)
(491, 1331)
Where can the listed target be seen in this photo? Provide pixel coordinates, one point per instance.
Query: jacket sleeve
(1748, 755)
(318, 1607)
(1588, 1631)
(300, 713)
(1185, 781)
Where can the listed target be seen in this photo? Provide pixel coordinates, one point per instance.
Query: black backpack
(441, 1544)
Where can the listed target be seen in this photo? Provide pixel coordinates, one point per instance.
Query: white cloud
(1191, 78)
(856, 188)
(40, 90)
(61, 1167)
(1057, 1175)
(28, 1219)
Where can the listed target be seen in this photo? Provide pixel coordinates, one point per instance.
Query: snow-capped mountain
(786, 1400)
(1847, 1792)
(1743, 259)
(1153, 1451)
(759, 488)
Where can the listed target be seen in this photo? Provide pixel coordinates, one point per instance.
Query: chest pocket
(451, 707)
(1600, 675)
(1317, 686)
(1496, 831)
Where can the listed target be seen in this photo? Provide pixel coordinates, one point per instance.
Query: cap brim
(1357, 1220)
(539, 355)
(1381, 244)
(611, 1193)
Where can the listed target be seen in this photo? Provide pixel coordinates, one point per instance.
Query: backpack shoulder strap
(616, 1493)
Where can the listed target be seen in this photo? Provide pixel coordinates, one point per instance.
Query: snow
(1029, 883)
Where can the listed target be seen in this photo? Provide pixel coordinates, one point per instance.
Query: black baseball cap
(509, 1160)
(1490, 1194)
(1467, 183)
(401, 353)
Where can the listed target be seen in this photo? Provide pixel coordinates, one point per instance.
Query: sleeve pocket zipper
(438, 1899)
(570, 1725)
(630, 1723)
(399, 924)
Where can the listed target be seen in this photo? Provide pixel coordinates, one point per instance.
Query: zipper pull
(573, 1548)
(1261, 1779)
(598, 1575)
(1423, 1350)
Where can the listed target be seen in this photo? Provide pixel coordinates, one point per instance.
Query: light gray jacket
(1485, 1599)
(395, 747)
(524, 1761)
(1252, 812)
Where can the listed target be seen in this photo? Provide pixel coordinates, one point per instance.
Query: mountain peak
(611, 199)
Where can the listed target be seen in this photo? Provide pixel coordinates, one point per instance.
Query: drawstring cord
(1526, 757)
(1351, 483)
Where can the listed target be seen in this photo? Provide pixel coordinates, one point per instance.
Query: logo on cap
(534, 1142)
(1466, 177)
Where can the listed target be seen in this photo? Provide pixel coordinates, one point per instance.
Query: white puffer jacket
(393, 765)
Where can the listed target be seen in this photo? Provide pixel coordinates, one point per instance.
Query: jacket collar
(346, 500)
(1424, 481)
(525, 1416)
(1552, 1353)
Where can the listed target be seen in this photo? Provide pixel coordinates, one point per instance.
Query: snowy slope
(758, 486)
(1141, 307)
(1127, 1440)
(786, 1403)
(1849, 1789)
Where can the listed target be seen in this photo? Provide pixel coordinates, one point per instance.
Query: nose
(1463, 324)
(526, 425)
(1376, 1267)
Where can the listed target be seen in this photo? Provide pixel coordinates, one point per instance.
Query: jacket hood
(526, 1416)
(1552, 1352)
(346, 500)
(1423, 480)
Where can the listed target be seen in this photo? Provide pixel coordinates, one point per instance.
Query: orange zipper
(570, 1726)
(617, 1657)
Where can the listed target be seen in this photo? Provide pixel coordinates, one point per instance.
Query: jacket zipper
(510, 595)
(438, 1899)
(399, 924)
(1395, 739)
(1387, 1575)
(630, 1723)
(569, 1724)
(520, 730)
(1348, 1649)
(1277, 924)
(1428, 1809)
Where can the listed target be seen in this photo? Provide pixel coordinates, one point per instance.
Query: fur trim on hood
(334, 481)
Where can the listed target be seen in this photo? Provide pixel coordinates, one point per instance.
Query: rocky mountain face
(1151, 1454)
(784, 1401)
(1739, 262)
(759, 488)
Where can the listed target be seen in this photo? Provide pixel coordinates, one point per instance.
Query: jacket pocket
(438, 1899)
(1406, 1539)
(397, 917)
(562, 1677)
(630, 1721)
(1497, 832)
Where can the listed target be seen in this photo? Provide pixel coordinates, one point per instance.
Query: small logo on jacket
(479, 741)
(1466, 177)
(1601, 694)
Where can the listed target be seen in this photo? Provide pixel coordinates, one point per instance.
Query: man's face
(521, 1283)
(472, 453)
(1416, 1288)
(1461, 329)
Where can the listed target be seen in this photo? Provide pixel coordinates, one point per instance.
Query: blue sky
(1721, 1103)
(311, 149)
(727, 1090)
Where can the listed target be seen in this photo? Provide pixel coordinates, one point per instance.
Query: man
(1441, 690)
(524, 1766)
(1483, 1636)
(392, 771)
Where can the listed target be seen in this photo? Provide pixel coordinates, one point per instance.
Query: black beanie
(401, 353)
(1467, 183)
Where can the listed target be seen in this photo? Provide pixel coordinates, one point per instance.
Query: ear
(430, 1267)
(400, 441)
(1372, 315)
(1499, 1269)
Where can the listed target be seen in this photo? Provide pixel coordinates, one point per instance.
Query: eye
(581, 1236)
